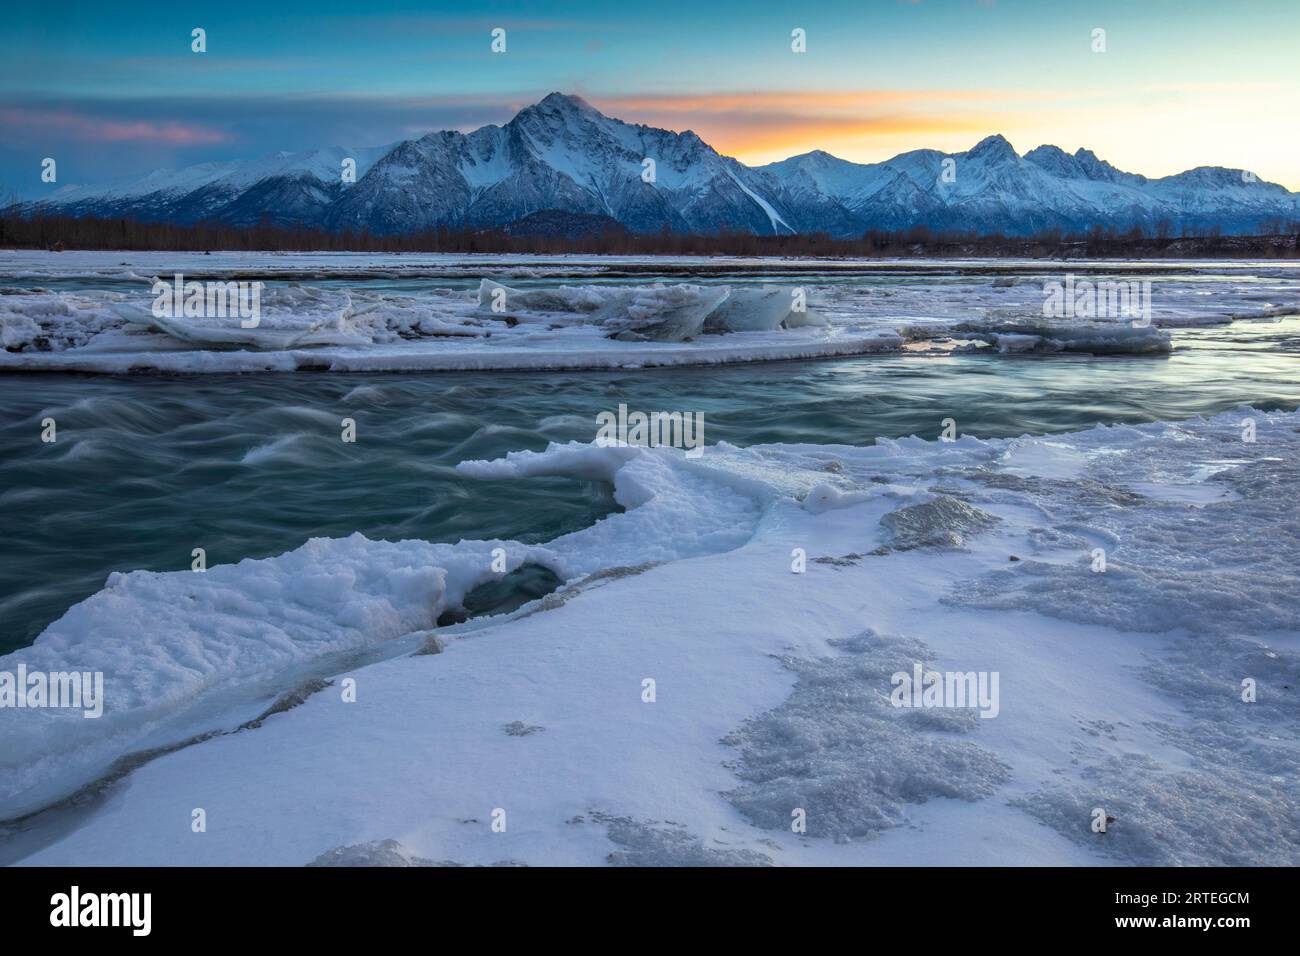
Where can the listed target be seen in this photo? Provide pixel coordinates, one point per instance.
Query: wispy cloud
(33, 124)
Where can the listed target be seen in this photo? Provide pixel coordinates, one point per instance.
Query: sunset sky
(114, 89)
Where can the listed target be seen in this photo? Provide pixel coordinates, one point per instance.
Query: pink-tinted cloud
(65, 124)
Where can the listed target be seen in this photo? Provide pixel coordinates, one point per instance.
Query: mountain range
(562, 154)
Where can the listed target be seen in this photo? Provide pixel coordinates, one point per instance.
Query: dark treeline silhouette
(62, 232)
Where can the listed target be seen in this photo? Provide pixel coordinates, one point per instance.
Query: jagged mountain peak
(569, 101)
(562, 104)
(1053, 160)
(1094, 167)
(1082, 164)
(816, 159)
(1048, 152)
(993, 147)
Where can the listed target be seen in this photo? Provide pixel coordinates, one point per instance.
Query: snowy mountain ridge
(563, 154)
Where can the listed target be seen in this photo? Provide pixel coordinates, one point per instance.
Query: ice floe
(92, 312)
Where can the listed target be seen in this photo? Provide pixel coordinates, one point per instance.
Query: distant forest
(60, 233)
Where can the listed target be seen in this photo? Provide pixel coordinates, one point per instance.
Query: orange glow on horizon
(1173, 129)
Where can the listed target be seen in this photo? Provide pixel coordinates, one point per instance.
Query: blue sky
(113, 90)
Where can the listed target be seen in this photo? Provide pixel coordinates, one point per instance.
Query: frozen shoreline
(1119, 689)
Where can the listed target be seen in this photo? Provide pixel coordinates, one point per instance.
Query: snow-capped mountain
(990, 188)
(563, 154)
(284, 188)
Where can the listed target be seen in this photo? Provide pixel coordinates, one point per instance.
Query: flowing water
(147, 468)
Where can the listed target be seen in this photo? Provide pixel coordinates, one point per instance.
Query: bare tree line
(1278, 240)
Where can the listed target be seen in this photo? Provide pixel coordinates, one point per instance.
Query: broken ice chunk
(751, 310)
(663, 313)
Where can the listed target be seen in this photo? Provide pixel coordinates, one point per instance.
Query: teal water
(147, 468)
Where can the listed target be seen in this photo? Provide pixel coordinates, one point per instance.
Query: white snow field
(91, 312)
(1119, 689)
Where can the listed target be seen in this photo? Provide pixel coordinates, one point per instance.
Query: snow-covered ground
(93, 311)
(532, 737)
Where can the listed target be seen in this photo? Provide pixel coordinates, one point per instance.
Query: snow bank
(175, 644)
(171, 643)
